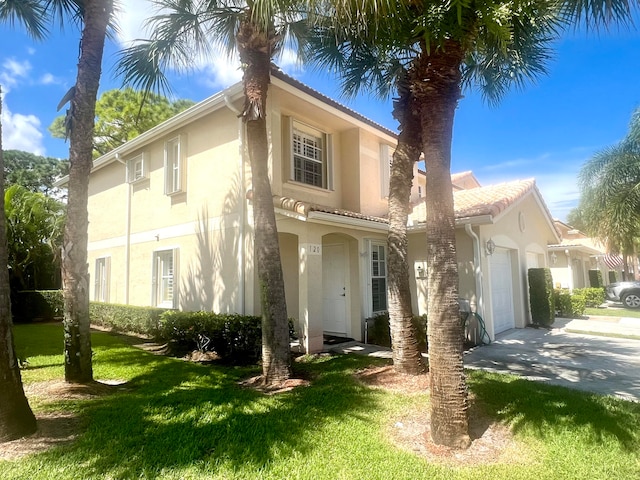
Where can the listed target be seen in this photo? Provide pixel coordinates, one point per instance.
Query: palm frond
(29, 13)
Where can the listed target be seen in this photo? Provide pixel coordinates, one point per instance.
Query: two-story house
(171, 224)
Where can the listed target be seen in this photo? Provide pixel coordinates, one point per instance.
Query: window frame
(131, 168)
(174, 165)
(102, 279)
(159, 288)
(297, 127)
(376, 247)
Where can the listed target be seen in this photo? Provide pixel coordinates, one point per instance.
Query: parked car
(626, 292)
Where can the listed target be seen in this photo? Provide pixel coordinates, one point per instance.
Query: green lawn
(176, 420)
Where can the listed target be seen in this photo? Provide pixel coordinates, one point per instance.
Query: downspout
(477, 269)
(127, 245)
(241, 204)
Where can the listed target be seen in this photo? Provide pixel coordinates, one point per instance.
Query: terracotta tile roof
(305, 208)
(490, 200)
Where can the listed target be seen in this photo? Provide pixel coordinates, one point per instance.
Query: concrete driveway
(609, 366)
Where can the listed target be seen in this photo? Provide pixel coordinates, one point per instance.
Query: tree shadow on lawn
(180, 414)
(543, 409)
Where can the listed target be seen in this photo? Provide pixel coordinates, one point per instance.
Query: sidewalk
(610, 326)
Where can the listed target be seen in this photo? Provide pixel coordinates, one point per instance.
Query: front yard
(159, 417)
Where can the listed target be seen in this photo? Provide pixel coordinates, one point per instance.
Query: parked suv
(626, 292)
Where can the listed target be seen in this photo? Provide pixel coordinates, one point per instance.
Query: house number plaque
(313, 248)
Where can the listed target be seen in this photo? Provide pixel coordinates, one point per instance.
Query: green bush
(235, 338)
(593, 297)
(378, 332)
(570, 305)
(126, 318)
(613, 276)
(37, 305)
(595, 279)
(541, 296)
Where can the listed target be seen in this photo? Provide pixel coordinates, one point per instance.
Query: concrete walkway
(560, 356)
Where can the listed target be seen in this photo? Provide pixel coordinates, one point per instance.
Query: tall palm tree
(490, 44)
(256, 29)
(363, 61)
(610, 194)
(16, 417)
(95, 17)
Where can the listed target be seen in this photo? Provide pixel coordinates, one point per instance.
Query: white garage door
(501, 291)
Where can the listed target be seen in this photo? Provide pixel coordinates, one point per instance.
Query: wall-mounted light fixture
(554, 258)
(490, 246)
(420, 271)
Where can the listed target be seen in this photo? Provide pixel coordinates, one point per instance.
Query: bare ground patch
(492, 442)
(55, 428)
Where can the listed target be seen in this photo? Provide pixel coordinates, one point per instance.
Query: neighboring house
(571, 259)
(171, 224)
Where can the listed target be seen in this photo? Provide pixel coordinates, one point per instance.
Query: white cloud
(21, 132)
(12, 72)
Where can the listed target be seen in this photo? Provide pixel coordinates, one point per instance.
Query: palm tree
(356, 52)
(610, 194)
(489, 44)
(95, 16)
(16, 417)
(257, 30)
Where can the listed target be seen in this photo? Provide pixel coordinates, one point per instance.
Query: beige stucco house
(576, 254)
(171, 221)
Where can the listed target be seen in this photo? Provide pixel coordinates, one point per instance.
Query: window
(378, 278)
(386, 158)
(173, 166)
(137, 168)
(101, 292)
(309, 152)
(164, 275)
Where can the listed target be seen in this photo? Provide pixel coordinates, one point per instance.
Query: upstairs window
(137, 168)
(310, 156)
(386, 158)
(174, 166)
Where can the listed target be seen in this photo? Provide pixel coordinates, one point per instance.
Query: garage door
(501, 291)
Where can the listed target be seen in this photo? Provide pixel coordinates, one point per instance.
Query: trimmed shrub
(235, 338)
(613, 276)
(541, 297)
(570, 305)
(379, 333)
(593, 297)
(595, 279)
(37, 305)
(126, 318)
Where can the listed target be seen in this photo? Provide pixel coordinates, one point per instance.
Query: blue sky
(546, 131)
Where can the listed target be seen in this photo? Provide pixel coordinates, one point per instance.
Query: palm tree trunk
(405, 350)
(75, 274)
(436, 87)
(16, 417)
(255, 48)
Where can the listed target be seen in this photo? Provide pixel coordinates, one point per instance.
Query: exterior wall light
(490, 247)
(554, 258)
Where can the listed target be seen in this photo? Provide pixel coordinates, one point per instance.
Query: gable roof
(464, 180)
(485, 205)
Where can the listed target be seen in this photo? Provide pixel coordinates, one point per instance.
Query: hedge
(593, 297)
(234, 338)
(378, 331)
(126, 318)
(37, 305)
(541, 296)
(568, 305)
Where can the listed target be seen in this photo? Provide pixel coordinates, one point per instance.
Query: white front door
(334, 288)
(501, 291)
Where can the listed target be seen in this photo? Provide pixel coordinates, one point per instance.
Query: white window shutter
(385, 170)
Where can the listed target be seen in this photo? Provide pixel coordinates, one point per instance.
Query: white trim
(158, 274)
(130, 168)
(102, 283)
(356, 223)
